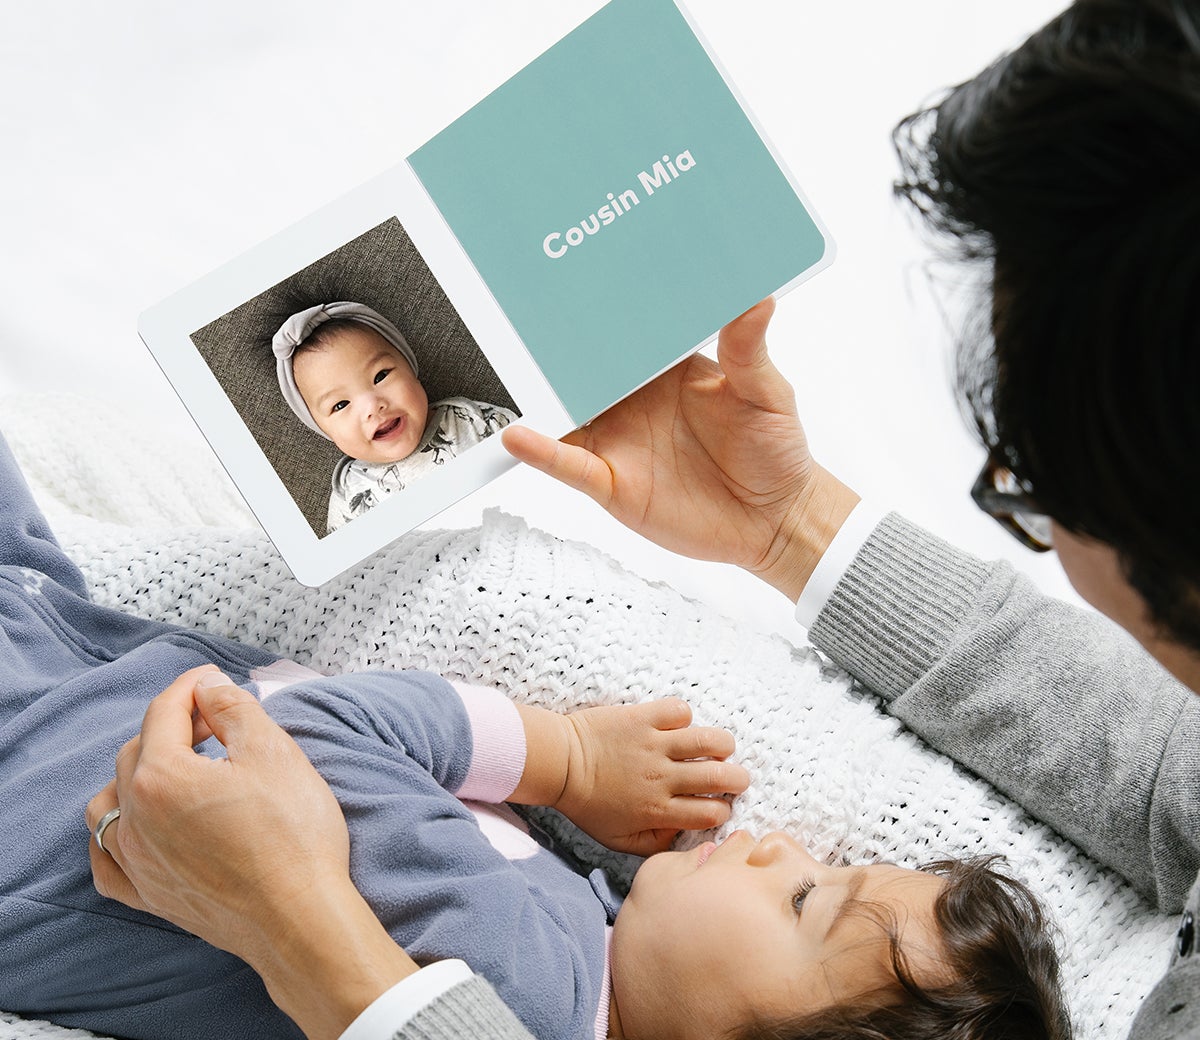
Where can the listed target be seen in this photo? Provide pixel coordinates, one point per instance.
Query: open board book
(581, 229)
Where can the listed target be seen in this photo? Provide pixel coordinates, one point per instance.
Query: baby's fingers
(709, 777)
(699, 742)
(645, 843)
(699, 814)
(667, 713)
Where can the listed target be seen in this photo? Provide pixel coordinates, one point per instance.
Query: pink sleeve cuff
(498, 739)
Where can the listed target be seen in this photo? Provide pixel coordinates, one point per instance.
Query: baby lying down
(748, 938)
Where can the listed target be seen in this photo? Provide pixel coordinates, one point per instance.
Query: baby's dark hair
(997, 948)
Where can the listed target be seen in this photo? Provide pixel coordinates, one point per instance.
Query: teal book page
(618, 202)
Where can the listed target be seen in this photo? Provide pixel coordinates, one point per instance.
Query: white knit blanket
(560, 624)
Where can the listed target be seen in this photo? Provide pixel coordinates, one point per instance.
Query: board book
(592, 221)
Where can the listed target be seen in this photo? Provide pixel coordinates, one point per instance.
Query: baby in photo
(349, 374)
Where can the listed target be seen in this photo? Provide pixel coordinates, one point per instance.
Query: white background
(145, 143)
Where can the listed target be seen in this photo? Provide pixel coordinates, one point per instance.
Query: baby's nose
(776, 846)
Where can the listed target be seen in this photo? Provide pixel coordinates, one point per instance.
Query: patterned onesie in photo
(454, 425)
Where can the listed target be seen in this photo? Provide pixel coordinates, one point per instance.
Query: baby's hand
(639, 774)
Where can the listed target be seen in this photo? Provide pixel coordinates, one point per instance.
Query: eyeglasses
(999, 493)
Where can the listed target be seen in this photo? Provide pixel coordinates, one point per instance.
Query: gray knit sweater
(1057, 707)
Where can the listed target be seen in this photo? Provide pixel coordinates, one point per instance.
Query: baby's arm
(631, 776)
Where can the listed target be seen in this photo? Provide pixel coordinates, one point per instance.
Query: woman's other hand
(250, 852)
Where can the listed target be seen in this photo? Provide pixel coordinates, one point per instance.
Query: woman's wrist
(806, 533)
(326, 958)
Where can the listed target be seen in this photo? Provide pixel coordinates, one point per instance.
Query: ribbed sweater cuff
(469, 1009)
(900, 603)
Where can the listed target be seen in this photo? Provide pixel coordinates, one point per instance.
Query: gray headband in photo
(301, 325)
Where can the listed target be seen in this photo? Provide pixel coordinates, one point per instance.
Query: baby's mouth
(388, 428)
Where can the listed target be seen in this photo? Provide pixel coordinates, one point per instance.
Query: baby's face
(364, 395)
(709, 937)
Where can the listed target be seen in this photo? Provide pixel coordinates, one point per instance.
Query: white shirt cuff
(393, 1010)
(863, 519)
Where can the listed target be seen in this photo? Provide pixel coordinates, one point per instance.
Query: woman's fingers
(742, 355)
(167, 726)
(107, 875)
(102, 803)
(569, 463)
(110, 879)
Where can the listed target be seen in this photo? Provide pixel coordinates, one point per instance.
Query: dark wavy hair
(998, 950)
(1072, 167)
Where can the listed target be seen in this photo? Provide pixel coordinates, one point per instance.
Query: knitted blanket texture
(562, 625)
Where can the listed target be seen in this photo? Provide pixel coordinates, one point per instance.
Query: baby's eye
(800, 894)
(339, 406)
(381, 375)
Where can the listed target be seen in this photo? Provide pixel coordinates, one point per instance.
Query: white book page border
(166, 329)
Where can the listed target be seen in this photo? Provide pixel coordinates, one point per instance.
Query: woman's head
(1072, 167)
(758, 939)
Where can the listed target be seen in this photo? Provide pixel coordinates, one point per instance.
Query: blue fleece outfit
(75, 679)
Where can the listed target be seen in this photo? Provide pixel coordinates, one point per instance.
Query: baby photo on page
(356, 377)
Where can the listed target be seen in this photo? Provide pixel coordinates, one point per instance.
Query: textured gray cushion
(382, 269)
